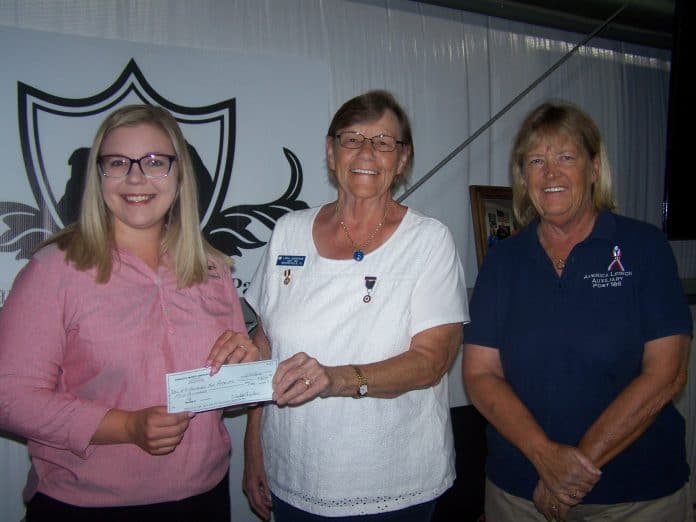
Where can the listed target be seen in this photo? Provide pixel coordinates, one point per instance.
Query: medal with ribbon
(369, 285)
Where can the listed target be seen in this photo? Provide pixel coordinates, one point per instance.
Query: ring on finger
(307, 381)
(243, 348)
(573, 494)
(554, 507)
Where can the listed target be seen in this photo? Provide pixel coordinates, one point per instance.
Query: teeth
(363, 171)
(554, 189)
(137, 199)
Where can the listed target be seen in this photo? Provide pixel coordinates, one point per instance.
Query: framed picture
(491, 209)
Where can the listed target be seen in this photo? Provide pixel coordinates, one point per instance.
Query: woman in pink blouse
(96, 319)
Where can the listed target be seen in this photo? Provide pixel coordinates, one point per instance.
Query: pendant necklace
(559, 263)
(359, 250)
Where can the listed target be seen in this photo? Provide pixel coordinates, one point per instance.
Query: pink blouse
(71, 349)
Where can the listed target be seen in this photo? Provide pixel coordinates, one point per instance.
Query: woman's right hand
(155, 431)
(566, 472)
(254, 481)
(232, 348)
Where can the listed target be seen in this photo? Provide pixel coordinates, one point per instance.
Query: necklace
(359, 250)
(559, 263)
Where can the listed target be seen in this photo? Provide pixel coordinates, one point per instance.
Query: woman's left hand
(566, 472)
(231, 348)
(300, 379)
(548, 505)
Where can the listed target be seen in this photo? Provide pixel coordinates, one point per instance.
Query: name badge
(290, 261)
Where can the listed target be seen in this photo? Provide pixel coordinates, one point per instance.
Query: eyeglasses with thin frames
(381, 142)
(155, 166)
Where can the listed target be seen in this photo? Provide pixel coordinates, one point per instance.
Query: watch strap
(362, 383)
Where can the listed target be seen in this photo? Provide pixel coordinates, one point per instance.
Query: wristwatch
(362, 383)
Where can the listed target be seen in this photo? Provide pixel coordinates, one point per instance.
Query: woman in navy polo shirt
(578, 384)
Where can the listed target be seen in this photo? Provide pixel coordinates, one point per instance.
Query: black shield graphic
(56, 174)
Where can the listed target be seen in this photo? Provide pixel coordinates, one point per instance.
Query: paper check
(197, 390)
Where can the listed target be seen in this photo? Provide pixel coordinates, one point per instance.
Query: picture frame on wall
(493, 218)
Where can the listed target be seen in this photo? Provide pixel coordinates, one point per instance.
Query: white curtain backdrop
(452, 71)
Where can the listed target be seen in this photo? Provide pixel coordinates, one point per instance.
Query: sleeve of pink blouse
(32, 345)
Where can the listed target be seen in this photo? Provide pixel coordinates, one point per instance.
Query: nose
(366, 146)
(549, 168)
(136, 177)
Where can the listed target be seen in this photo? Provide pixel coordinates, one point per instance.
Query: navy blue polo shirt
(569, 345)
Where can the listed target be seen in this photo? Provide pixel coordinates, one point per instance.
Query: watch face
(363, 389)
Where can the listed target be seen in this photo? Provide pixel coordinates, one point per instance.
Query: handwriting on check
(235, 384)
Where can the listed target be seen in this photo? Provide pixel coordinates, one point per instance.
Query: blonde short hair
(89, 243)
(551, 119)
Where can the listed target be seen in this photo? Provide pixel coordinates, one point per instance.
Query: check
(197, 390)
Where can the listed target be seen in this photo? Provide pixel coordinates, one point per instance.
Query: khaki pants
(503, 507)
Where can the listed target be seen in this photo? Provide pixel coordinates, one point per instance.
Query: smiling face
(136, 202)
(365, 173)
(559, 176)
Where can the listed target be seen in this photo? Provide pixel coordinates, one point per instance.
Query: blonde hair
(89, 243)
(551, 119)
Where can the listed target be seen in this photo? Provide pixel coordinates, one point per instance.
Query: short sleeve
(486, 304)
(664, 308)
(439, 295)
(257, 288)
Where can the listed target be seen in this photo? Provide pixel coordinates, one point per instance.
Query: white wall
(452, 70)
